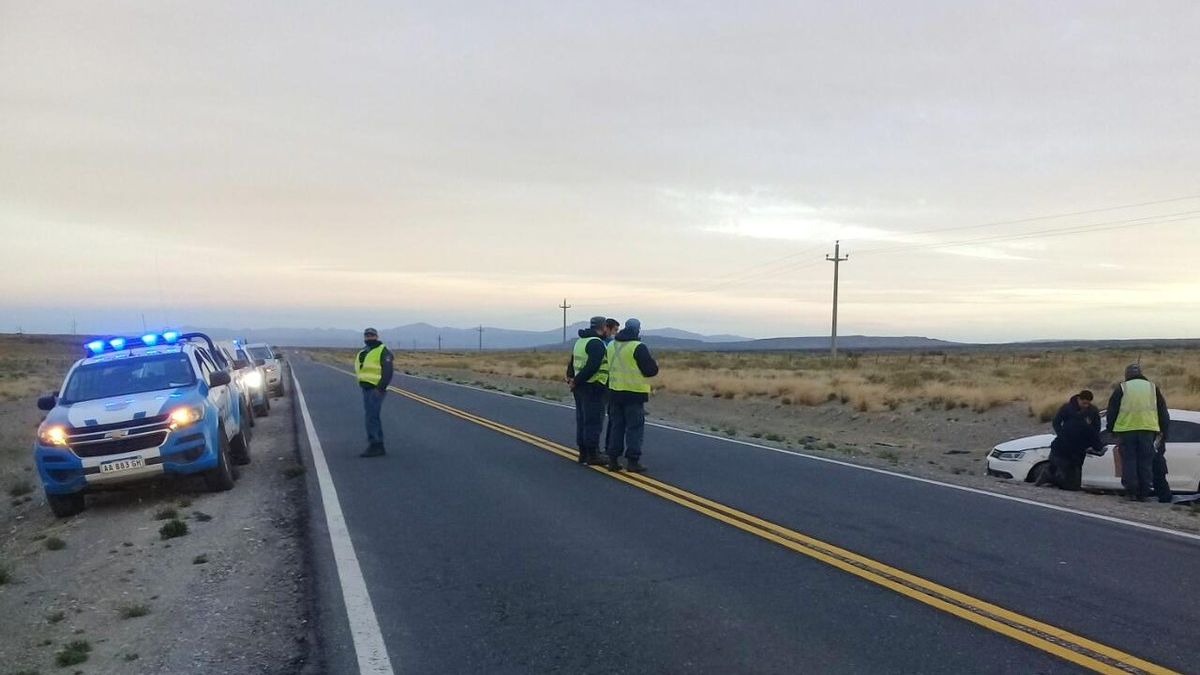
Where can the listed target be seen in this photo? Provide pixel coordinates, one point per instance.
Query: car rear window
(120, 377)
(260, 352)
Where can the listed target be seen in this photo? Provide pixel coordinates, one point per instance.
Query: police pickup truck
(135, 409)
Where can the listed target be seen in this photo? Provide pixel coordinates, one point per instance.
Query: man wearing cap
(630, 367)
(587, 376)
(1137, 413)
(374, 369)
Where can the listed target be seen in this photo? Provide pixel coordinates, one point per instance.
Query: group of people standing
(609, 372)
(1137, 414)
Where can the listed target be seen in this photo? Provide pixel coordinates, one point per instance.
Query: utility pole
(837, 260)
(564, 307)
(73, 327)
(439, 343)
(414, 344)
(480, 329)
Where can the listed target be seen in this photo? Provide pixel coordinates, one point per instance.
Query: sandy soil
(229, 597)
(931, 442)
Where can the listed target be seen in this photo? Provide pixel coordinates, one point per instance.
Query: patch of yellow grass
(977, 380)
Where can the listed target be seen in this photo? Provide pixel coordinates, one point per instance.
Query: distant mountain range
(424, 336)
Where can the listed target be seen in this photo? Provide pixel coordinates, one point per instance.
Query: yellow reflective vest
(369, 365)
(1139, 407)
(579, 359)
(623, 371)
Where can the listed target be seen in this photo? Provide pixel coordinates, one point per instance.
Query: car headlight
(270, 369)
(1010, 456)
(184, 416)
(253, 380)
(53, 435)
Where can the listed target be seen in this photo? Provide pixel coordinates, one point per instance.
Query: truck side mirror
(47, 402)
(219, 379)
(238, 364)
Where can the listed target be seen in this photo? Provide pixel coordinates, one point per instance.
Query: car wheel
(279, 390)
(239, 448)
(247, 418)
(65, 506)
(1040, 471)
(220, 478)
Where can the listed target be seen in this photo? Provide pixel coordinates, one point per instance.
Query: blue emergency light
(116, 344)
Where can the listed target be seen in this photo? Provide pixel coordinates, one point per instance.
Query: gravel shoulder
(948, 445)
(231, 596)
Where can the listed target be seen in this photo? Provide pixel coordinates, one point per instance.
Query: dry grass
(977, 380)
(33, 365)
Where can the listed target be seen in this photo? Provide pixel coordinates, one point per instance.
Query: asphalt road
(485, 552)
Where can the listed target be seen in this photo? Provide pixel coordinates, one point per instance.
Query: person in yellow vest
(1137, 413)
(587, 376)
(630, 367)
(374, 368)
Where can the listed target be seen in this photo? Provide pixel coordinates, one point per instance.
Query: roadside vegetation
(978, 380)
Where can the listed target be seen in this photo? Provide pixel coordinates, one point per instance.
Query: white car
(273, 367)
(1026, 458)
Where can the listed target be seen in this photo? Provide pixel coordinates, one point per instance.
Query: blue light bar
(95, 346)
(117, 343)
(170, 337)
(149, 339)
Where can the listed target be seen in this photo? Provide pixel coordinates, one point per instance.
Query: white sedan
(1026, 458)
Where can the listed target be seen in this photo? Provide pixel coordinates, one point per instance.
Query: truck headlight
(254, 380)
(53, 435)
(1010, 456)
(184, 416)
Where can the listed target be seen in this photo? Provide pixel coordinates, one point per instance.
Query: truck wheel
(239, 448)
(65, 506)
(220, 477)
(264, 408)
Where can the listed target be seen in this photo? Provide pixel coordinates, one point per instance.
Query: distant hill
(425, 336)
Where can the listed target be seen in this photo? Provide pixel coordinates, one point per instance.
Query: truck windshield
(128, 376)
(260, 352)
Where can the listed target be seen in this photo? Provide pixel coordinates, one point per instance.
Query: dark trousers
(1137, 462)
(1066, 469)
(1162, 489)
(589, 416)
(372, 404)
(626, 429)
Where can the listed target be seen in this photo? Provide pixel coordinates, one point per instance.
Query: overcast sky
(255, 164)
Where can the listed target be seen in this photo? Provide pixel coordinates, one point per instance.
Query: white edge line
(364, 626)
(827, 460)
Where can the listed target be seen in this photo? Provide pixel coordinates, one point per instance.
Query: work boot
(583, 457)
(594, 459)
(634, 466)
(373, 450)
(614, 464)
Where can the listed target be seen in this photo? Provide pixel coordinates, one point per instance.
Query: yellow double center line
(1051, 639)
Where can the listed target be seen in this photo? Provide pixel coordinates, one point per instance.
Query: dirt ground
(920, 440)
(230, 596)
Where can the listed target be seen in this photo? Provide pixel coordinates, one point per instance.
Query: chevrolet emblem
(119, 433)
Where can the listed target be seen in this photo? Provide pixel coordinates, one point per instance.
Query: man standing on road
(1076, 429)
(587, 376)
(374, 369)
(1137, 413)
(630, 366)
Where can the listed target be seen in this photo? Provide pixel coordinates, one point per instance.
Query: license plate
(122, 465)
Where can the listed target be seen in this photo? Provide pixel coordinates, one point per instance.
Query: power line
(1162, 219)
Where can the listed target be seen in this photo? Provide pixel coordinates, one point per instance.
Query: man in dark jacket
(1077, 428)
(1137, 413)
(630, 367)
(587, 376)
(374, 367)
